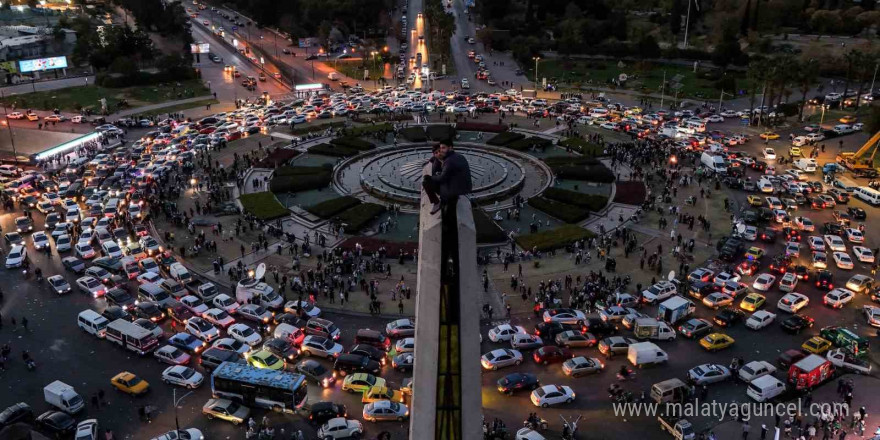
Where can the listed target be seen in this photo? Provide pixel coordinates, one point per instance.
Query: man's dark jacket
(455, 179)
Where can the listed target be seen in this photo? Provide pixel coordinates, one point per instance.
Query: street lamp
(177, 402)
(536, 74)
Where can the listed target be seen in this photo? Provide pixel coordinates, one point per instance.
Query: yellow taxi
(266, 360)
(754, 253)
(794, 151)
(377, 393)
(769, 135)
(752, 302)
(755, 200)
(716, 341)
(848, 119)
(817, 345)
(130, 384)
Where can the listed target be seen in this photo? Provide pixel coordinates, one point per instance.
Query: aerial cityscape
(448, 219)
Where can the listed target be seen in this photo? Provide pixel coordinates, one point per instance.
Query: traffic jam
(252, 349)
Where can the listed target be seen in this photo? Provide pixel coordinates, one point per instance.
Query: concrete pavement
(53, 84)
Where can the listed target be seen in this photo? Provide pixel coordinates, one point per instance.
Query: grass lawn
(263, 205)
(71, 99)
(644, 77)
(179, 107)
(353, 69)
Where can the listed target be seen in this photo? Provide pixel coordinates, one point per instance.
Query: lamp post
(177, 402)
(9, 126)
(536, 74)
(822, 119)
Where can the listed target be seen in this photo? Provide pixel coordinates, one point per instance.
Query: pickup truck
(680, 428)
(206, 291)
(842, 360)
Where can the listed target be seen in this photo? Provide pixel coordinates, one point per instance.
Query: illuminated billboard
(200, 48)
(42, 64)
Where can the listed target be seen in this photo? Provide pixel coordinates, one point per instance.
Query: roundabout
(499, 174)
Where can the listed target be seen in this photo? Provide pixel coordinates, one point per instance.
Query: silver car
(400, 328)
(571, 338)
(708, 373)
(382, 410)
(580, 366)
(501, 358)
(320, 346)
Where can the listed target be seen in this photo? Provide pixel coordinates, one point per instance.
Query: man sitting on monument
(453, 180)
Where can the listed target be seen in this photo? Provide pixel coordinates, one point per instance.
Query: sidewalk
(866, 389)
(161, 105)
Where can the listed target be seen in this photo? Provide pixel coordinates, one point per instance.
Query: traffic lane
(64, 126)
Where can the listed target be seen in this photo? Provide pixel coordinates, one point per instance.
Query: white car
(854, 235)
(111, 249)
(405, 345)
(838, 297)
(62, 243)
(232, 345)
(91, 285)
(788, 282)
(182, 376)
(764, 282)
(549, 395)
(500, 358)
(816, 243)
(755, 369)
(715, 118)
(793, 249)
(202, 329)
(769, 154)
(170, 354)
(804, 224)
(149, 265)
(872, 314)
(149, 277)
(218, 317)
(308, 308)
(564, 316)
(708, 373)
(194, 304)
(504, 332)
(660, 292)
(863, 254)
(225, 302)
(760, 319)
(16, 256)
(84, 251)
(60, 229)
(792, 302)
(41, 240)
(87, 430)
(842, 260)
(722, 278)
(835, 243)
(245, 334)
(340, 428)
(820, 260)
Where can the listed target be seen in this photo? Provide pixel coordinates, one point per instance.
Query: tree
(727, 51)
(806, 73)
(852, 58)
(866, 67)
(744, 23)
(675, 17)
(648, 47)
(872, 123)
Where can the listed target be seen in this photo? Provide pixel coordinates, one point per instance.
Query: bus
(132, 337)
(279, 391)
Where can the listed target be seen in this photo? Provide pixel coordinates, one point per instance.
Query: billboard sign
(42, 64)
(307, 42)
(200, 48)
(308, 87)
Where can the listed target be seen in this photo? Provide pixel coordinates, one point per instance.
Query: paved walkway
(41, 86)
(161, 105)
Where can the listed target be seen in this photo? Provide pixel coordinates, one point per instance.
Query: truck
(810, 371)
(713, 162)
(650, 328)
(675, 309)
(63, 397)
(805, 165)
(645, 353)
(840, 359)
(680, 428)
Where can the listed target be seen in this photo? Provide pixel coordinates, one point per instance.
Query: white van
(713, 162)
(93, 323)
(868, 195)
(290, 333)
(646, 353)
(765, 388)
(333, 76)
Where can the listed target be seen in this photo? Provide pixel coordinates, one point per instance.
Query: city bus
(279, 391)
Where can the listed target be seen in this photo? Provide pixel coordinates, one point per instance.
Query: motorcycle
(537, 424)
(630, 375)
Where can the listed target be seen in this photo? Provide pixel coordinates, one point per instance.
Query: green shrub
(528, 143)
(487, 230)
(414, 134)
(570, 160)
(554, 238)
(582, 146)
(593, 202)
(329, 208)
(263, 205)
(333, 150)
(353, 142)
(591, 173)
(440, 133)
(358, 217)
(313, 128)
(562, 211)
(366, 129)
(294, 179)
(505, 138)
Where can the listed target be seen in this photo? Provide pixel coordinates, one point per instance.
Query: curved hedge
(358, 217)
(528, 143)
(295, 179)
(353, 143)
(554, 238)
(329, 208)
(440, 133)
(582, 146)
(593, 202)
(505, 138)
(413, 134)
(562, 211)
(333, 150)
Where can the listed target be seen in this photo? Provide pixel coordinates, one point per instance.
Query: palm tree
(757, 75)
(852, 58)
(868, 65)
(806, 74)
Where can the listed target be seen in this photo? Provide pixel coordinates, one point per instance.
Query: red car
(748, 268)
(551, 354)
